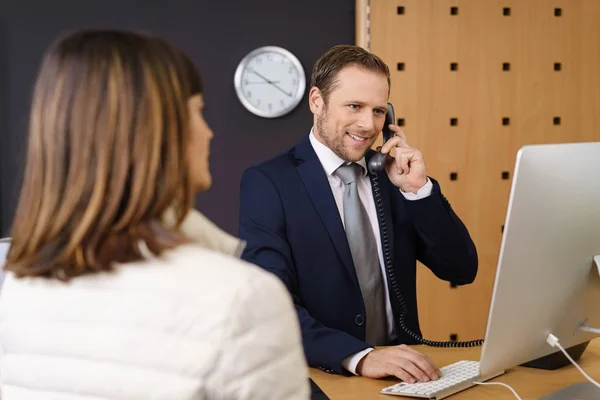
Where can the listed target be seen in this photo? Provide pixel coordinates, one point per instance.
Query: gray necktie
(363, 247)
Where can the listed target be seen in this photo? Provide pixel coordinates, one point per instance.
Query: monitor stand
(557, 360)
(579, 391)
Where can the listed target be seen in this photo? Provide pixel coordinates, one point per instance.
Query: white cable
(586, 328)
(553, 341)
(501, 384)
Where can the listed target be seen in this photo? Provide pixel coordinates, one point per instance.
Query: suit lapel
(317, 185)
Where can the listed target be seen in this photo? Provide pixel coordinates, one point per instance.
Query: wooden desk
(528, 383)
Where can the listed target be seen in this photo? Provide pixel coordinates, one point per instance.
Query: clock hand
(261, 76)
(280, 89)
(272, 83)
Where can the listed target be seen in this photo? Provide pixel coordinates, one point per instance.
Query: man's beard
(333, 141)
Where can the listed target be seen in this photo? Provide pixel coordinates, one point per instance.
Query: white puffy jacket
(192, 324)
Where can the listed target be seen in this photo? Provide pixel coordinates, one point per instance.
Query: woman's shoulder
(192, 272)
(198, 260)
(194, 268)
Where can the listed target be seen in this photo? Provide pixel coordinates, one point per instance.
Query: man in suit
(345, 242)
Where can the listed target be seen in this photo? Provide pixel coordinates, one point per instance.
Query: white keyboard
(455, 377)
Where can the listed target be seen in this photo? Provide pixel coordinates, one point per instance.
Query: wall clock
(270, 81)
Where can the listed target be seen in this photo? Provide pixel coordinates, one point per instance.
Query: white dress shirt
(330, 162)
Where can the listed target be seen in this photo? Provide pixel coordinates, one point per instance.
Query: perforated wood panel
(472, 81)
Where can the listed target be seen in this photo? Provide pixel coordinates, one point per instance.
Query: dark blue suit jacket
(290, 221)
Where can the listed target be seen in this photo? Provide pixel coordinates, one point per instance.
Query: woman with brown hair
(116, 288)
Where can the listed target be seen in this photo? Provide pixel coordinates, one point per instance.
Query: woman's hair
(106, 157)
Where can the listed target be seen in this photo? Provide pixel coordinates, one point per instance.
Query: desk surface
(528, 383)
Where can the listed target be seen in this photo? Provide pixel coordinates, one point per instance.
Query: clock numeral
(282, 103)
(249, 94)
(269, 57)
(291, 71)
(294, 82)
(258, 103)
(259, 60)
(270, 106)
(246, 82)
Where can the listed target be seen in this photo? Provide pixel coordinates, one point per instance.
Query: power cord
(500, 384)
(586, 328)
(553, 341)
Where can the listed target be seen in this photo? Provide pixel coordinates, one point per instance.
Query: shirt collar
(329, 160)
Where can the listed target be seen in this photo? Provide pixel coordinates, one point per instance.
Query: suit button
(328, 370)
(359, 320)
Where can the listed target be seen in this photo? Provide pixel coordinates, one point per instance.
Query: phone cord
(394, 283)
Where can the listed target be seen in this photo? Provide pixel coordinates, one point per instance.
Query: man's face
(354, 114)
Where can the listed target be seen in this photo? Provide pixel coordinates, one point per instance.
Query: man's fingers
(399, 361)
(398, 140)
(393, 142)
(411, 350)
(414, 370)
(399, 372)
(397, 131)
(404, 156)
(420, 360)
(402, 163)
(427, 366)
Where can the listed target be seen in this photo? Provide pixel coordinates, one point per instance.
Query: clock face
(270, 81)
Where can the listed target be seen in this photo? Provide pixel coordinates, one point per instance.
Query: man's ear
(315, 100)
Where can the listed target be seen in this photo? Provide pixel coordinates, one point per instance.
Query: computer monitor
(546, 279)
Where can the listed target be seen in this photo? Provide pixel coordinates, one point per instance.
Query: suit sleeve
(444, 244)
(262, 226)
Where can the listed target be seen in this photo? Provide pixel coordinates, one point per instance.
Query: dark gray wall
(4, 132)
(217, 34)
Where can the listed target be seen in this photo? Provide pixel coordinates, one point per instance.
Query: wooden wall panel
(505, 53)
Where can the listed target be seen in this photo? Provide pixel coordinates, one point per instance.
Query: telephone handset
(377, 164)
(377, 161)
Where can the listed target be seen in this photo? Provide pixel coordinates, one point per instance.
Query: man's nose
(367, 121)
